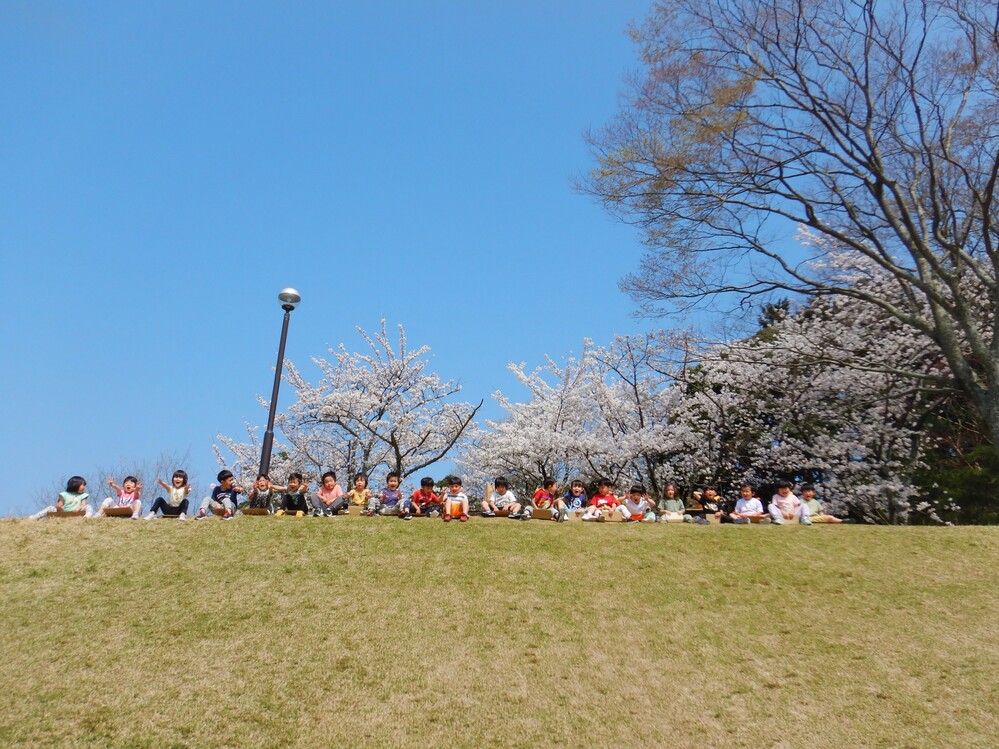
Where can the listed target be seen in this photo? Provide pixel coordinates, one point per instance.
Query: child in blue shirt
(223, 498)
(390, 501)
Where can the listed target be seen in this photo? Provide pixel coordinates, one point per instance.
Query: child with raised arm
(127, 496)
(603, 503)
(328, 499)
(293, 500)
(223, 497)
(748, 507)
(711, 504)
(176, 502)
(454, 501)
(424, 501)
(636, 506)
(671, 506)
(503, 498)
(264, 494)
(389, 501)
(575, 499)
(785, 506)
(73, 499)
(360, 495)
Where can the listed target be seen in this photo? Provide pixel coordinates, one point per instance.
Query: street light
(289, 299)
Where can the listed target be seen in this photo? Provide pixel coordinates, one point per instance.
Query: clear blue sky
(168, 167)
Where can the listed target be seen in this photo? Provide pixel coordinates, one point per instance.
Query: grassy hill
(264, 632)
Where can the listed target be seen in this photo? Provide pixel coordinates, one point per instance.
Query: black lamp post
(289, 300)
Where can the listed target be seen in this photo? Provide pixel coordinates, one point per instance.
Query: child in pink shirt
(785, 506)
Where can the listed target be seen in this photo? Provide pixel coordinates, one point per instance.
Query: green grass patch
(262, 632)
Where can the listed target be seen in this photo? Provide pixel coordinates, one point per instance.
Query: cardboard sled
(118, 512)
(66, 514)
(256, 511)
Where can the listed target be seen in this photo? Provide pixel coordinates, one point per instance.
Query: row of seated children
(784, 506)
(330, 499)
(128, 497)
(636, 505)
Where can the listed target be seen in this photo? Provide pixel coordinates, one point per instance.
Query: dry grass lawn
(264, 632)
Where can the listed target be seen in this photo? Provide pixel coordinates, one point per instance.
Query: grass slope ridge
(372, 632)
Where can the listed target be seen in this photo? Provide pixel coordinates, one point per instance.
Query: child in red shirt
(603, 503)
(545, 499)
(424, 501)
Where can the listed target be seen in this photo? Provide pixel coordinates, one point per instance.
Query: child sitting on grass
(748, 507)
(455, 502)
(575, 499)
(328, 499)
(127, 496)
(816, 510)
(223, 497)
(603, 503)
(545, 499)
(264, 494)
(503, 498)
(785, 506)
(389, 502)
(73, 499)
(294, 499)
(712, 504)
(176, 502)
(671, 506)
(636, 506)
(360, 495)
(424, 501)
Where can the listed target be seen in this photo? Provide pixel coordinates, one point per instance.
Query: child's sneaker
(407, 516)
(299, 514)
(201, 515)
(370, 513)
(447, 518)
(563, 516)
(182, 516)
(150, 516)
(463, 518)
(278, 513)
(804, 521)
(513, 515)
(227, 515)
(317, 513)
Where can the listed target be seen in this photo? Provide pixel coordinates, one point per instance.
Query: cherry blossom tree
(836, 392)
(603, 414)
(379, 410)
(827, 395)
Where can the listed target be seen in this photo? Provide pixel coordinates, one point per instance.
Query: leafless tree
(871, 126)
